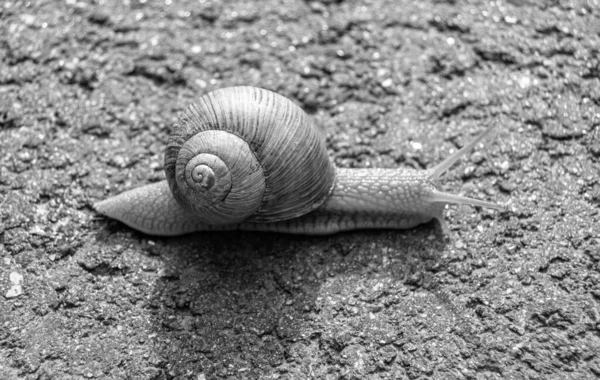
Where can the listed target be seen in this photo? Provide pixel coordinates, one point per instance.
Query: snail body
(247, 158)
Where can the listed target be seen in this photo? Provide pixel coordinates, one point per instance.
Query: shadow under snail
(249, 159)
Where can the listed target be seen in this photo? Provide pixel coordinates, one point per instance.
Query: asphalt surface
(90, 89)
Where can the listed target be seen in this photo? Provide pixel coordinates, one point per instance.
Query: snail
(247, 158)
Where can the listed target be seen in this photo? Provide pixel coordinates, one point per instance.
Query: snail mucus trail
(244, 158)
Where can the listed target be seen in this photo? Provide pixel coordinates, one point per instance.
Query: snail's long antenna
(443, 166)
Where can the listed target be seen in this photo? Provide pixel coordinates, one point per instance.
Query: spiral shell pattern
(245, 153)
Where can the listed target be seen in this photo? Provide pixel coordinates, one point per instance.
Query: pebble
(16, 289)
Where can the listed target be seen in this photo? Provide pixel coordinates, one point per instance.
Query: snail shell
(245, 153)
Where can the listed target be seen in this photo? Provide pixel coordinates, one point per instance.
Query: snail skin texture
(245, 158)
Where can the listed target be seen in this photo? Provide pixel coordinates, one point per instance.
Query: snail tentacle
(436, 172)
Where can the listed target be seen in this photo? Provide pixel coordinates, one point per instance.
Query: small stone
(16, 289)
(118, 161)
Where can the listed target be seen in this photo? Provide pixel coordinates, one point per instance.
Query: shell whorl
(244, 153)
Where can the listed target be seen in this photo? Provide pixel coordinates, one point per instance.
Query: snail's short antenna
(443, 197)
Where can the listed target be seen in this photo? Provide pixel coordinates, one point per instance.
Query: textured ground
(90, 89)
